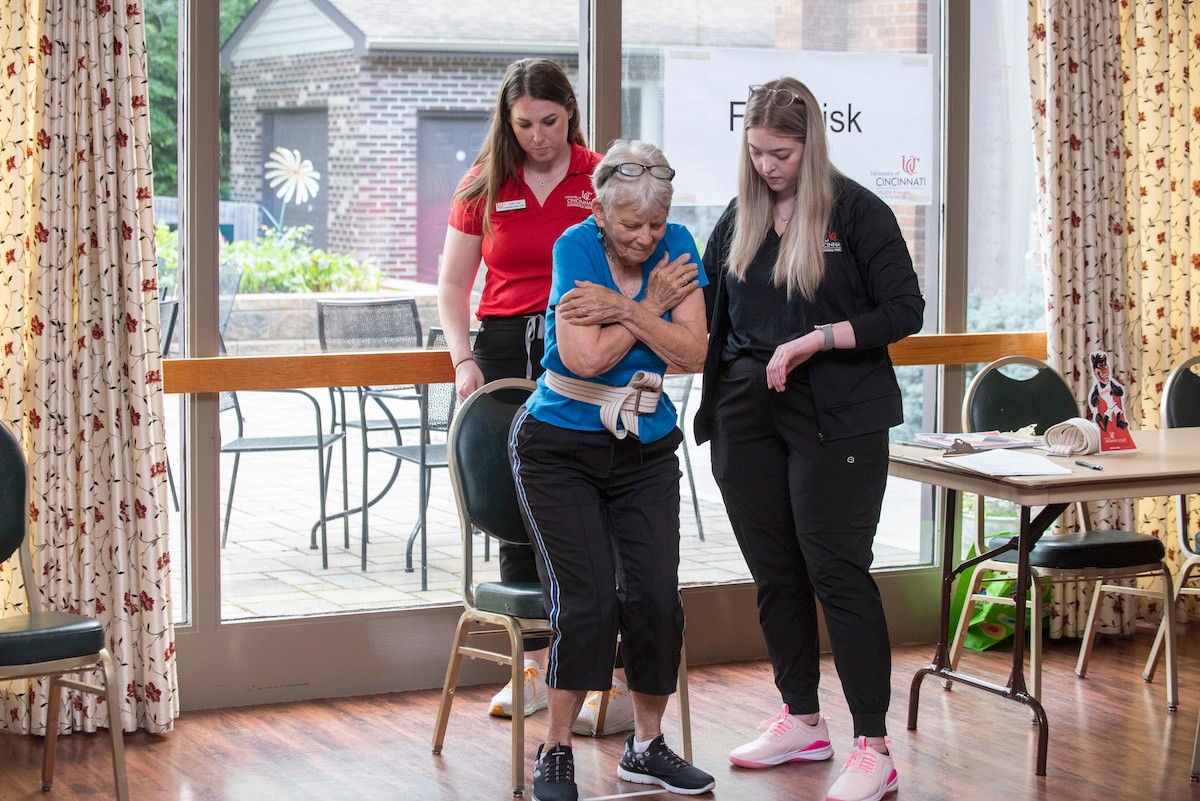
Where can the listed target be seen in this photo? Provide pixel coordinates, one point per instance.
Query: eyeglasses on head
(776, 96)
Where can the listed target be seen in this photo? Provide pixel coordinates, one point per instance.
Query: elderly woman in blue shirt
(594, 457)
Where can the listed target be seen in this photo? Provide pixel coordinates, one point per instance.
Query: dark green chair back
(1181, 397)
(1000, 400)
(479, 465)
(12, 494)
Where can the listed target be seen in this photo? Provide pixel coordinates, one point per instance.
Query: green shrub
(279, 260)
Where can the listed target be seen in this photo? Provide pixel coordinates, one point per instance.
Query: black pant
(604, 516)
(804, 512)
(500, 352)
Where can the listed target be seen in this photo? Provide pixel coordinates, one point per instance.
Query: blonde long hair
(801, 263)
(501, 153)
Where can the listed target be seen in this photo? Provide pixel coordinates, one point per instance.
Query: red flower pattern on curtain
(82, 363)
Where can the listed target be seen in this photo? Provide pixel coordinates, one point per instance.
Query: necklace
(541, 182)
(619, 277)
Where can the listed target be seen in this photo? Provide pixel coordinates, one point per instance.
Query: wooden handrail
(433, 366)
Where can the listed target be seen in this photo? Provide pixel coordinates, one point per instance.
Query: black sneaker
(554, 775)
(662, 766)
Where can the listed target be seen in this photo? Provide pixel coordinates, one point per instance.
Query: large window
(1004, 277)
(369, 117)
(686, 66)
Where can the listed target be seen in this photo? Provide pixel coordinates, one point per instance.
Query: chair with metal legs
(1001, 400)
(364, 326)
(50, 644)
(486, 497)
(318, 439)
(1180, 409)
(438, 402)
(168, 314)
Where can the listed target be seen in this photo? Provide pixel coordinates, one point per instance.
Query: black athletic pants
(805, 512)
(603, 514)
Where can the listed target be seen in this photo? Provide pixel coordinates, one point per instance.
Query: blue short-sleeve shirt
(579, 256)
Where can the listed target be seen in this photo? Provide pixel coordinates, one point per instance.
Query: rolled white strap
(619, 406)
(535, 328)
(1074, 436)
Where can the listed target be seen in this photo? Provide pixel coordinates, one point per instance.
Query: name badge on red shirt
(510, 205)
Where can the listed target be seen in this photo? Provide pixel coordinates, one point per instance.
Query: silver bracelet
(826, 329)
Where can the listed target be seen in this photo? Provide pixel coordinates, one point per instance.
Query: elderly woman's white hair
(644, 192)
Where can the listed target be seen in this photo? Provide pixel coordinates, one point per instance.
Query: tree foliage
(162, 56)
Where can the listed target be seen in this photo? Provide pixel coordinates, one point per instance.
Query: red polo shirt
(519, 253)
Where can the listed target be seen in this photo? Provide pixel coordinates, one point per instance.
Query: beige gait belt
(619, 406)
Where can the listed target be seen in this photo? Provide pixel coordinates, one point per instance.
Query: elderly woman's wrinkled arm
(591, 349)
(680, 341)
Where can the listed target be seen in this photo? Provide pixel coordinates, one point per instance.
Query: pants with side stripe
(804, 512)
(603, 515)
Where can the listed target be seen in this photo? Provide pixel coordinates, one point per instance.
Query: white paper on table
(1005, 462)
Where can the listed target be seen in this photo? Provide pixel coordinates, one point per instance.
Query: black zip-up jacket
(869, 280)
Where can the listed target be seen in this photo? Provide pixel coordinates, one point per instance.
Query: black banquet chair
(50, 644)
(1180, 409)
(486, 497)
(997, 399)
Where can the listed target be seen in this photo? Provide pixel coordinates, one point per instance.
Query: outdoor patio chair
(438, 402)
(229, 283)
(679, 390)
(168, 314)
(50, 644)
(317, 438)
(365, 326)
(999, 400)
(1180, 409)
(486, 497)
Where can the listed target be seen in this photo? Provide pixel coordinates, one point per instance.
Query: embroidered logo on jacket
(832, 245)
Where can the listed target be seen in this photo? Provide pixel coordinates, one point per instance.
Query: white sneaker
(868, 775)
(536, 696)
(618, 715)
(787, 739)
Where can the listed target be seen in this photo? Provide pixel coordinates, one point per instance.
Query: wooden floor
(1110, 738)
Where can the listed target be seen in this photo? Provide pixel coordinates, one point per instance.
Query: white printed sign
(878, 110)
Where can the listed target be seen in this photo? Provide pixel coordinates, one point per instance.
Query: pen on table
(912, 444)
(1088, 465)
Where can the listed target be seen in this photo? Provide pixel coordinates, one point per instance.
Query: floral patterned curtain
(1160, 49)
(1078, 103)
(80, 361)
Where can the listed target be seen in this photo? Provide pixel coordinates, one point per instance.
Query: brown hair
(501, 153)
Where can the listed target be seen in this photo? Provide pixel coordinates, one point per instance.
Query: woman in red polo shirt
(530, 182)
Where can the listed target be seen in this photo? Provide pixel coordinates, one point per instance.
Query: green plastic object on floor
(991, 624)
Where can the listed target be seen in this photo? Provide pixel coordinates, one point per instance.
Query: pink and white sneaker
(787, 739)
(868, 775)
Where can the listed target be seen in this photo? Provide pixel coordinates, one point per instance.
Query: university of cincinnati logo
(832, 243)
(581, 201)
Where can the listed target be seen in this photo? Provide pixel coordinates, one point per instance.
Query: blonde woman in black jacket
(809, 281)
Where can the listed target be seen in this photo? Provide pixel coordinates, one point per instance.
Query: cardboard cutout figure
(1107, 402)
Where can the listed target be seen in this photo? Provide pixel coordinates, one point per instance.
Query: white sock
(640, 746)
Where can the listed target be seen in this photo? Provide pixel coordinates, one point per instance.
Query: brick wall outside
(373, 105)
